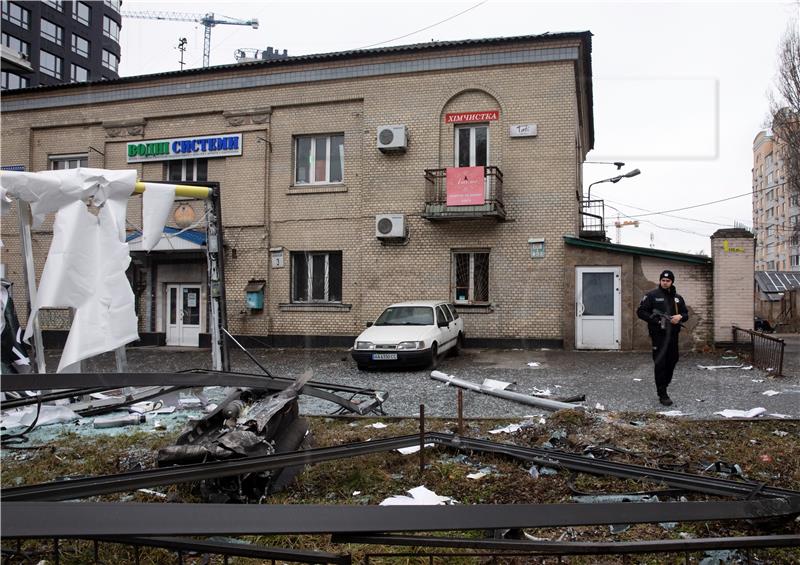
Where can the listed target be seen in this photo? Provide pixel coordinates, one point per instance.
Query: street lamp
(618, 178)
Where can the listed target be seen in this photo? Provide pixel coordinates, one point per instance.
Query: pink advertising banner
(465, 186)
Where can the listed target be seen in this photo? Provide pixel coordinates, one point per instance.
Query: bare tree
(785, 106)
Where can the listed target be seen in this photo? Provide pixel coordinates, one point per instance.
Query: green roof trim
(645, 251)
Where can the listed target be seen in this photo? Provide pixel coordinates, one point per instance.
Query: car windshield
(406, 316)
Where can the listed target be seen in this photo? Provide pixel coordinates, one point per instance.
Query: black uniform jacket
(662, 301)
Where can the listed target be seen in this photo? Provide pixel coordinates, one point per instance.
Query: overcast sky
(680, 89)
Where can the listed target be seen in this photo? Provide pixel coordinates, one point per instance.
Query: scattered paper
(747, 368)
(752, 413)
(757, 380)
(770, 393)
(377, 425)
(715, 367)
(47, 415)
(145, 406)
(781, 416)
(420, 496)
(672, 413)
(509, 429)
(599, 406)
(492, 384)
(476, 476)
(412, 449)
(356, 492)
(637, 380)
(153, 492)
(534, 364)
(541, 392)
(780, 433)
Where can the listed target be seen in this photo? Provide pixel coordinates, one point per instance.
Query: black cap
(667, 275)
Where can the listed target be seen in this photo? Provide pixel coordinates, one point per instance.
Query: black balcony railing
(436, 207)
(592, 214)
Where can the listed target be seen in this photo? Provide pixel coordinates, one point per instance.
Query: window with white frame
(470, 278)
(110, 28)
(110, 61)
(319, 159)
(80, 45)
(16, 14)
(12, 81)
(49, 64)
(16, 44)
(52, 32)
(72, 161)
(316, 276)
(82, 12)
(55, 4)
(78, 73)
(113, 4)
(472, 145)
(181, 170)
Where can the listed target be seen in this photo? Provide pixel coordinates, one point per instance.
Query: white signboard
(523, 130)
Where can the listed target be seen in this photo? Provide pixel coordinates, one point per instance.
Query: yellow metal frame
(180, 190)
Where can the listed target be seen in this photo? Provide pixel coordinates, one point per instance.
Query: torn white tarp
(752, 413)
(420, 496)
(85, 267)
(412, 449)
(495, 385)
(47, 415)
(156, 205)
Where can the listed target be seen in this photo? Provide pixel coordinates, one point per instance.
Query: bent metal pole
(552, 405)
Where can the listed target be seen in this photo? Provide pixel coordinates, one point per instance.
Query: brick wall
(734, 282)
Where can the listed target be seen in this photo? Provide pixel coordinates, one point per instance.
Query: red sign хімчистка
(468, 117)
(465, 186)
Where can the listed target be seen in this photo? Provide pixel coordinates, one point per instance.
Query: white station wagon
(410, 333)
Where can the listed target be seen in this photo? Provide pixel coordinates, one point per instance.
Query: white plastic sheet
(752, 413)
(85, 267)
(157, 202)
(420, 496)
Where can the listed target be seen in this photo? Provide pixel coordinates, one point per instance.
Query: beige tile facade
(540, 80)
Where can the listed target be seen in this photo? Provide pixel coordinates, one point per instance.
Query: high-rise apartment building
(53, 42)
(776, 212)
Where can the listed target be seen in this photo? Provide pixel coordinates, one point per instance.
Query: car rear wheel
(434, 356)
(455, 351)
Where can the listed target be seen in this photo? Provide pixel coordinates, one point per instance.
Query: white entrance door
(183, 314)
(597, 308)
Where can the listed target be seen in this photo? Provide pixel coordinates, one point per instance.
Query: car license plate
(384, 356)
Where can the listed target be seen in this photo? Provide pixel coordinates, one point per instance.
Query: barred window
(470, 280)
(316, 276)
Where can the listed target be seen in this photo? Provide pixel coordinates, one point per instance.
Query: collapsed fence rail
(763, 351)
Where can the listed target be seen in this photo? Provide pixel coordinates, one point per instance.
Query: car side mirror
(369, 324)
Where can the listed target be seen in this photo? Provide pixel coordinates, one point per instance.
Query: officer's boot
(663, 397)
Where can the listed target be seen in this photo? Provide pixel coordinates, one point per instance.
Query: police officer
(664, 311)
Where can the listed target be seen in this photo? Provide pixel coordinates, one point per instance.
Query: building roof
(777, 281)
(642, 251)
(584, 36)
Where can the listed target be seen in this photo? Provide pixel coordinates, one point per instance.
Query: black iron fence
(761, 350)
(592, 224)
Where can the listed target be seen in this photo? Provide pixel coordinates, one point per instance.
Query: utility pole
(182, 49)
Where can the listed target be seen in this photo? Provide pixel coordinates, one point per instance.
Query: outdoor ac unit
(392, 138)
(390, 225)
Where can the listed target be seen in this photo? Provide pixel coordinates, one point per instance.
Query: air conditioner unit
(390, 225)
(392, 138)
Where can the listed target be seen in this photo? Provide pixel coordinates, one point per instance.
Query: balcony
(436, 208)
(592, 226)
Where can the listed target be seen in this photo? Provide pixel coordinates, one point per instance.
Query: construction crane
(207, 20)
(619, 225)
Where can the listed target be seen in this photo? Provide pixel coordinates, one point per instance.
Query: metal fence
(760, 349)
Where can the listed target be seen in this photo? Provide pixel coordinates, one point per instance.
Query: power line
(668, 215)
(426, 27)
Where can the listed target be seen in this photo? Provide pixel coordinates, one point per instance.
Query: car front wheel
(434, 356)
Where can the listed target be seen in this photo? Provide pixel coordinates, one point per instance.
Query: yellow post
(180, 190)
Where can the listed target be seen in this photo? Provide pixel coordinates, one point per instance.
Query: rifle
(664, 320)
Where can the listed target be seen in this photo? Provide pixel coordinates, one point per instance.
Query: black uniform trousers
(665, 357)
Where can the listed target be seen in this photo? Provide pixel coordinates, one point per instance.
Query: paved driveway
(618, 381)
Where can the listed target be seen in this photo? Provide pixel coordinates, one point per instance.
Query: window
(769, 161)
(110, 61)
(113, 4)
(316, 276)
(795, 259)
(78, 73)
(471, 277)
(52, 32)
(11, 81)
(55, 4)
(49, 64)
(186, 170)
(17, 45)
(80, 45)
(794, 220)
(110, 28)
(443, 314)
(81, 12)
(472, 146)
(319, 159)
(16, 14)
(58, 162)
